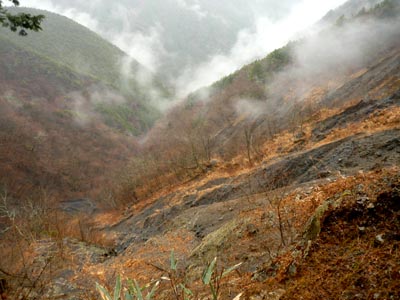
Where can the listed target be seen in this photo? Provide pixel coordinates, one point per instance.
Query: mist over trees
(170, 36)
(242, 111)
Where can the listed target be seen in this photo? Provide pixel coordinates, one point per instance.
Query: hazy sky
(175, 31)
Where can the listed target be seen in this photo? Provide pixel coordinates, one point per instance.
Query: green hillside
(26, 68)
(71, 44)
(68, 43)
(68, 52)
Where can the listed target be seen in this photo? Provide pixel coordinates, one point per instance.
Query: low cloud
(145, 47)
(249, 108)
(194, 7)
(84, 104)
(119, 24)
(146, 44)
(255, 43)
(82, 18)
(73, 13)
(334, 54)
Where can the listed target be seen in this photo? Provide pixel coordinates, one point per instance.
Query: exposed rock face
(361, 111)
(78, 206)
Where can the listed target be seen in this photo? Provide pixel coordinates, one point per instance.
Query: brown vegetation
(220, 175)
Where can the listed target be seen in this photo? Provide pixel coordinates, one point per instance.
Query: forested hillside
(68, 111)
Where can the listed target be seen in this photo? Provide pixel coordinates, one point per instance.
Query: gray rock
(78, 206)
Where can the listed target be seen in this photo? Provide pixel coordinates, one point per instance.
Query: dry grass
(341, 262)
(379, 121)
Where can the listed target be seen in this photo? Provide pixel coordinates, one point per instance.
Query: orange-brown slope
(351, 253)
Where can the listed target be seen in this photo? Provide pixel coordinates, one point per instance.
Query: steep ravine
(235, 217)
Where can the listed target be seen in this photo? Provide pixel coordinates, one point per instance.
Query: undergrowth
(177, 287)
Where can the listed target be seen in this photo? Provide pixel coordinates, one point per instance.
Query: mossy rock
(313, 226)
(215, 241)
(213, 245)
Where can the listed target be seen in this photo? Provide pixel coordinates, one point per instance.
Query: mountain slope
(62, 130)
(65, 42)
(240, 112)
(68, 43)
(40, 123)
(333, 201)
(288, 169)
(175, 34)
(348, 10)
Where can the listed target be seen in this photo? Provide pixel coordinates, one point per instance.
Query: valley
(287, 170)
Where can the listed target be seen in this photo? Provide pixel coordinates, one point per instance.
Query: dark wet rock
(78, 206)
(213, 183)
(359, 86)
(346, 156)
(144, 224)
(356, 113)
(219, 194)
(393, 144)
(189, 200)
(339, 156)
(125, 242)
